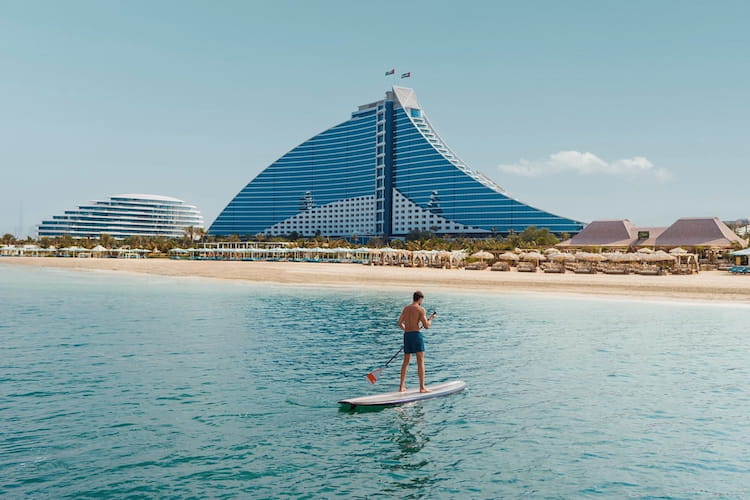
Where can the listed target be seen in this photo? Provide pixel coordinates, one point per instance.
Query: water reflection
(408, 464)
(411, 437)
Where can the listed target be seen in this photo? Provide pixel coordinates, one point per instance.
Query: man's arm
(426, 322)
(401, 320)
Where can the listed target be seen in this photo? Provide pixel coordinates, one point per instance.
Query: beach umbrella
(508, 256)
(645, 250)
(562, 257)
(589, 257)
(532, 256)
(612, 256)
(99, 248)
(551, 250)
(678, 251)
(482, 254)
(581, 255)
(660, 256)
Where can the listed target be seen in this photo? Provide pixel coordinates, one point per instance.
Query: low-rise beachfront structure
(694, 233)
(699, 232)
(31, 250)
(362, 255)
(125, 215)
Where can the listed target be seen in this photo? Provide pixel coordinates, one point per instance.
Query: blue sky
(591, 110)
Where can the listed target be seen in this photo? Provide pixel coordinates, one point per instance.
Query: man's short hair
(418, 295)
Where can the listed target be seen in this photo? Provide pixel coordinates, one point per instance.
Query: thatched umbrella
(562, 257)
(678, 251)
(645, 250)
(508, 256)
(482, 254)
(632, 257)
(612, 256)
(589, 257)
(660, 256)
(532, 256)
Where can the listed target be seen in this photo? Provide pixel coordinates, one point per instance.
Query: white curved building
(125, 215)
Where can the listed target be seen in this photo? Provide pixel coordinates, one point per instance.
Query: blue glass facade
(384, 172)
(336, 164)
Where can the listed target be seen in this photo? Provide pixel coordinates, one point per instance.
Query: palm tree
(63, 241)
(396, 243)
(190, 232)
(8, 239)
(106, 240)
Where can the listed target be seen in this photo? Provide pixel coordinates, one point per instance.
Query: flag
(390, 72)
(406, 75)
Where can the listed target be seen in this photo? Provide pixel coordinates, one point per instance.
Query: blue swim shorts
(413, 342)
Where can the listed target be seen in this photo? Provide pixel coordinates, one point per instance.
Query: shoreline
(708, 286)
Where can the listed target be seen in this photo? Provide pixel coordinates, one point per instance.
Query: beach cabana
(741, 259)
(98, 250)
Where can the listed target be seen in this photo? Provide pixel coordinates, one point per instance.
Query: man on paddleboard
(412, 319)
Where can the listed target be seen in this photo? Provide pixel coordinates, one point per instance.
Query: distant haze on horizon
(585, 109)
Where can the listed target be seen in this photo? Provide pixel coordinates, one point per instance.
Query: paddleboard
(408, 396)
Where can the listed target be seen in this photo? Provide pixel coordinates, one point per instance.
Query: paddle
(372, 377)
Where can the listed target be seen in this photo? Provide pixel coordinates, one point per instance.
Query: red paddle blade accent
(372, 377)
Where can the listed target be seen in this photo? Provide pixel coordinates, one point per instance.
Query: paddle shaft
(392, 357)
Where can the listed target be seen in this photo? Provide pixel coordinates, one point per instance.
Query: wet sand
(706, 286)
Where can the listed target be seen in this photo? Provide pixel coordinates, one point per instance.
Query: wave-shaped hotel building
(125, 215)
(383, 173)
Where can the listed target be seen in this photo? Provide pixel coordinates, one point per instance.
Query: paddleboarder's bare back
(412, 319)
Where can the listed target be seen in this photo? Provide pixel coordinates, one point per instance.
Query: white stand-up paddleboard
(408, 396)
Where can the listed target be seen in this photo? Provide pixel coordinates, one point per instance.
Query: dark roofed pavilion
(692, 232)
(699, 232)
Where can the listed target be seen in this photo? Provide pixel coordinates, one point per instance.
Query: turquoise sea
(134, 386)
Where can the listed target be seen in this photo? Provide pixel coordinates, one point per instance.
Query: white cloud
(586, 164)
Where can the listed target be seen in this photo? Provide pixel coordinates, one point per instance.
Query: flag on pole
(406, 75)
(390, 72)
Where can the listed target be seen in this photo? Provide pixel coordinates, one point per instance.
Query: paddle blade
(372, 377)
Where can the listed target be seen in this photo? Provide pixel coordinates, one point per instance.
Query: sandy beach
(706, 286)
